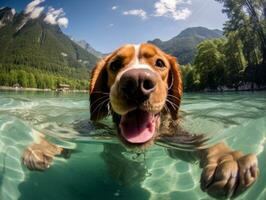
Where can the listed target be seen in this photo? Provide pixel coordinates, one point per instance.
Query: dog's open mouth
(138, 126)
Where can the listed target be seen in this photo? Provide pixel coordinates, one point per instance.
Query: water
(90, 172)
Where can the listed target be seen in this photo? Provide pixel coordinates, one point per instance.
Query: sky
(108, 24)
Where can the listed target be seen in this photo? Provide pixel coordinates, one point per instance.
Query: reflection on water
(99, 167)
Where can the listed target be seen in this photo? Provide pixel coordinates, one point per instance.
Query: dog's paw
(228, 175)
(36, 159)
(40, 156)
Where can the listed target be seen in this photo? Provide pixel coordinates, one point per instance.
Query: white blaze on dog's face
(134, 64)
(138, 64)
(140, 80)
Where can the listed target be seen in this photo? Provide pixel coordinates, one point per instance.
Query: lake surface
(90, 173)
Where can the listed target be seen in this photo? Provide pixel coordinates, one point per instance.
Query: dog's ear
(175, 87)
(99, 91)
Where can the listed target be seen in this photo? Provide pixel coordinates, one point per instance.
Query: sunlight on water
(238, 117)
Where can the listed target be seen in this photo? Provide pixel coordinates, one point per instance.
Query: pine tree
(32, 81)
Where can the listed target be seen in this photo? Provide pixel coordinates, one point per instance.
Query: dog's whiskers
(104, 103)
(99, 99)
(166, 108)
(99, 107)
(109, 109)
(175, 97)
(172, 104)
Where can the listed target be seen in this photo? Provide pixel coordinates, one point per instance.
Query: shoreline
(243, 88)
(234, 90)
(7, 88)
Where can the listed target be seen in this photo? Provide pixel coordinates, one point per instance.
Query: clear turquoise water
(89, 173)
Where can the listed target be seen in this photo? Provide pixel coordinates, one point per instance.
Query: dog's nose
(138, 84)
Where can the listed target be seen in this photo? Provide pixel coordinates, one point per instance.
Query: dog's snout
(147, 86)
(138, 84)
(128, 85)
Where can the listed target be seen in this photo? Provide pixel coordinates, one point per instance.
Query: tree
(48, 81)
(13, 77)
(247, 10)
(235, 62)
(210, 63)
(4, 78)
(32, 81)
(190, 78)
(248, 19)
(22, 78)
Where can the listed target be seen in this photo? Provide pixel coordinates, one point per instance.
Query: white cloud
(182, 14)
(32, 5)
(54, 17)
(33, 9)
(136, 12)
(168, 8)
(114, 7)
(36, 12)
(63, 22)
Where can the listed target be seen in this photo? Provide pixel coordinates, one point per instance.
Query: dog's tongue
(137, 126)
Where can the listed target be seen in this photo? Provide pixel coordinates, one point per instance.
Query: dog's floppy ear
(175, 87)
(99, 91)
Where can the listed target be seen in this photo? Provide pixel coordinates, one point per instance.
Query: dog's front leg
(39, 156)
(226, 173)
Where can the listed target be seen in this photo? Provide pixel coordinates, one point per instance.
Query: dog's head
(137, 84)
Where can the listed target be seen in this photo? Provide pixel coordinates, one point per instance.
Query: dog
(140, 86)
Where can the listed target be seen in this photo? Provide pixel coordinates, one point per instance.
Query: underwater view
(89, 172)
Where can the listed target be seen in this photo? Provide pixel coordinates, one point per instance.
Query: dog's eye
(160, 63)
(116, 65)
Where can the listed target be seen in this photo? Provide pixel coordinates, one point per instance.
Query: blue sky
(108, 24)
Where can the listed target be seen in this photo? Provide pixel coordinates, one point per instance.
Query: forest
(28, 77)
(237, 59)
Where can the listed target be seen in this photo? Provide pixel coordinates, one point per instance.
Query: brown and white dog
(134, 82)
(141, 87)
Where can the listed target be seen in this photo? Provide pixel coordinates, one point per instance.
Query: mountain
(183, 46)
(6, 16)
(85, 45)
(32, 44)
(219, 32)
